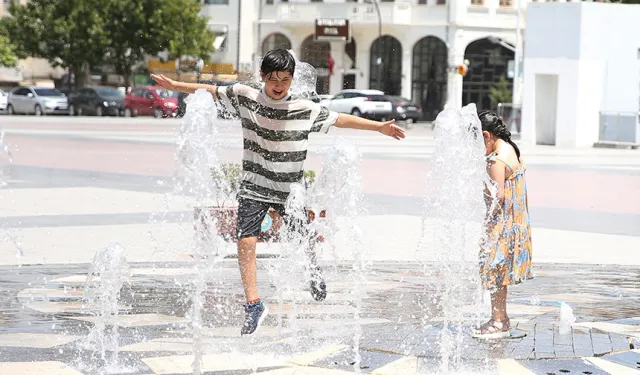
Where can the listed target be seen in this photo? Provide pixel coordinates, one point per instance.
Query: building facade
(407, 50)
(582, 77)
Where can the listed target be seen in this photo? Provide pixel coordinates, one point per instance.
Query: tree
(68, 33)
(8, 57)
(501, 92)
(185, 32)
(146, 27)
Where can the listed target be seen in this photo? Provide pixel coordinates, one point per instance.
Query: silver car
(37, 100)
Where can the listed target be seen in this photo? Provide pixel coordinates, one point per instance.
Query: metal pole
(379, 60)
(515, 95)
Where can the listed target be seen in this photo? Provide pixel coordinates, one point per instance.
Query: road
(110, 173)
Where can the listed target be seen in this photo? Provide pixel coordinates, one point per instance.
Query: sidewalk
(44, 320)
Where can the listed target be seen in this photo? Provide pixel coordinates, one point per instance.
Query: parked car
(371, 104)
(37, 100)
(4, 100)
(98, 100)
(404, 109)
(151, 101)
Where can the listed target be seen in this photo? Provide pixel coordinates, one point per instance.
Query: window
(48, 92)
(422, 2)
(478, 2)
(216, 2)
(441, 2)
(220, 42)
(506, 3)
(21, 91)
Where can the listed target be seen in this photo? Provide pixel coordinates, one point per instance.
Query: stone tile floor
(44, 322)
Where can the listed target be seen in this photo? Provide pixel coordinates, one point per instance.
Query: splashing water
(454, 215)
(5, 162)
(294, 257)
(197, 158)
(109, 271)
(304, 80)
(339, 189)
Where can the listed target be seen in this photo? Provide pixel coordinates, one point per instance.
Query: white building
(420, 40)
(582, 76)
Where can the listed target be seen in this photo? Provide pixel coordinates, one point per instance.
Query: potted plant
(224, 212)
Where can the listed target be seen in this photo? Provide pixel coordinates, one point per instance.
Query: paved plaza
(79, 184)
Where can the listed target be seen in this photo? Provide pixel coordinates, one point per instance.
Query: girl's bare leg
(499, 305)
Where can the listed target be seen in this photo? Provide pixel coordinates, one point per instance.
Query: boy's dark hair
(277, 60)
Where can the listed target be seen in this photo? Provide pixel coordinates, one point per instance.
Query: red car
(151, 101)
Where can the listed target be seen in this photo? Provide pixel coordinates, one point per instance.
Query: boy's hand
(392, 130)
(165, 82)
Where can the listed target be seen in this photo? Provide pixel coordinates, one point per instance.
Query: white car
(4, 100)
(372, 104)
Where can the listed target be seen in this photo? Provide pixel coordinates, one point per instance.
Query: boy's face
(277, 84)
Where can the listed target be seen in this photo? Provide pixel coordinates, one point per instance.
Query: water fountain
(109, 271)
(196, 157)
(5, 162)
(454, 215)
(339, 190)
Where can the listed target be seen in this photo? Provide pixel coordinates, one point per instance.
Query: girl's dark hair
(277, 60)
(493, 124)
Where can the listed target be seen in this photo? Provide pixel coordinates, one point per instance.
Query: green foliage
(501, 92)
(8, 57)
(184, 31)
(77, 34)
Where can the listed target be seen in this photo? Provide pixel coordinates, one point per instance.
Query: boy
(275, 129)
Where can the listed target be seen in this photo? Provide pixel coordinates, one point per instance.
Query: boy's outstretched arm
(189, 88)
(353, 122)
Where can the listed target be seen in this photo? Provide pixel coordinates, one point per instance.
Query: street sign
(333, 29)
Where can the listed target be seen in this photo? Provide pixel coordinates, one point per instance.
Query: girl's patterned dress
(505, 258)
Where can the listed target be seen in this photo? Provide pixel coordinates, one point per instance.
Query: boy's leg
(294, 222)
(250, 216)
(247, 263)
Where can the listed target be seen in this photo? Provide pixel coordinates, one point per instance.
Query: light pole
(379, 59)
(516, 69)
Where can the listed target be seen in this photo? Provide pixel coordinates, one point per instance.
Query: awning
(217, 42)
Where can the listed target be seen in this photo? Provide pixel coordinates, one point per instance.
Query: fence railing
(511, 115)
(620, 127)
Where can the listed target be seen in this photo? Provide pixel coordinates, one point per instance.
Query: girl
(505, 257)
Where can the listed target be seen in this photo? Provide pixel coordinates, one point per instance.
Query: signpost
(336, 29)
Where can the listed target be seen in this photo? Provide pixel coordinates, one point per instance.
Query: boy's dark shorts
(251, 213)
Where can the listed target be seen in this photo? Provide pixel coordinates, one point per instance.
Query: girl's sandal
(493, 329)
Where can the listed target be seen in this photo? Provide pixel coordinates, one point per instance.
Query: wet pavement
(45, 318)
(79, 184)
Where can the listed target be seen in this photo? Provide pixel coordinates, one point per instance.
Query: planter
(225, 219)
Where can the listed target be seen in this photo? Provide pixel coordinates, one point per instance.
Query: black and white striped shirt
(275, 135)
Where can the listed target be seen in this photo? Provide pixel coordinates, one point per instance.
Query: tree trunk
(83, 75)
(127, 78)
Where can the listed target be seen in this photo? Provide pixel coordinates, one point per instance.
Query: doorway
(546, 108)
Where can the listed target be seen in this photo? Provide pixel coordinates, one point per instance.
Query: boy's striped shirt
(275, 135)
